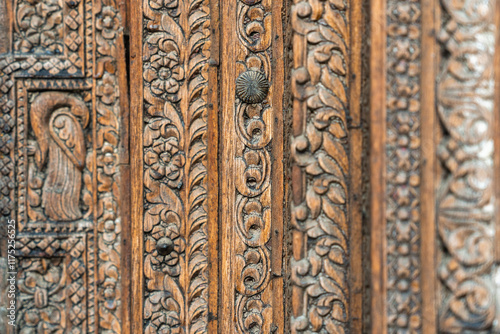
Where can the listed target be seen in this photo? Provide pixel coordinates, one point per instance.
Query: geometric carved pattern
(320, 170)
(50, 29)
(403, 166)
(466, 199)
(175, 70)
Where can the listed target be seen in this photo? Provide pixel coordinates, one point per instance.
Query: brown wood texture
(326, 265)
(233, 197)
(170, 52)
(64, 160)
(251, 168)
(432, 166)
(429, 166)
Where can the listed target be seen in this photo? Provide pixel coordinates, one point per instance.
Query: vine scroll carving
(466, 209)
(321, 166)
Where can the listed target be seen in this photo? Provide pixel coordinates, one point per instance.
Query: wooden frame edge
(136, 145)
(378, 314)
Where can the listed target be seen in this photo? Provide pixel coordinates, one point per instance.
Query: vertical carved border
(403, 165)
(251, 167)
(321, 169)
(173, 39)
(108, 92)
(396, 165)
(466, 197)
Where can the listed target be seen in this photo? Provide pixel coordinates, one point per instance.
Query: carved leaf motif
(322, 30)
(465, 220)
(175, 89)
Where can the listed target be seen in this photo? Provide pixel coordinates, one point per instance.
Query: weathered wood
(64, 113)
(136, 168)
(172, 48)
(326, 170)
(251, 167)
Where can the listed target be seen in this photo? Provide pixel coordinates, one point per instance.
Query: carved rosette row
(403, 151)
(175, 71)
(320, 169)
(466, 200)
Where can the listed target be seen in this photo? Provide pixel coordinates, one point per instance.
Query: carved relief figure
(58, 121)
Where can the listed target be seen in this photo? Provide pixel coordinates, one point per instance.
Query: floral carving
(108, 22)
(320, 159)
(403, 154)
(52, 290)
(162, 313)
(165, 73)
(40, 27)
(164, 158)
(108, 31)
(165, 244)
(175, 65)
(48, 38)
(466, 200)
(106, 89)
(42, 287)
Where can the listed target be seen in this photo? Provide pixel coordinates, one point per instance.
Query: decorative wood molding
(403, 151)
(251, 167)
(437, 169)
(326, 140)
(396, 166)
(175, 53)
(466, 197)
(62, 105)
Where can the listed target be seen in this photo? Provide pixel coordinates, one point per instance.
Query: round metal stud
(165, 246)
(252, 87)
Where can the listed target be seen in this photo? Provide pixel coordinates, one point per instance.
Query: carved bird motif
(58, 120)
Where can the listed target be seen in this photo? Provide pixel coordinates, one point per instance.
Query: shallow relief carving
(320, 291)
(175, 71)
(254, 141)
(55, 173)
(466, 198)
(59, 150)
(403, 161)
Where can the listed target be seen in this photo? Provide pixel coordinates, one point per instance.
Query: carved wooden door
(229, 237)
(249, 166)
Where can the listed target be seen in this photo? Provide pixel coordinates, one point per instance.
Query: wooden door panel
(326, 148)
(302, 166)
(170, 57)
(434, 229)
(251, 167)
(64, 157)
(211, 166)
